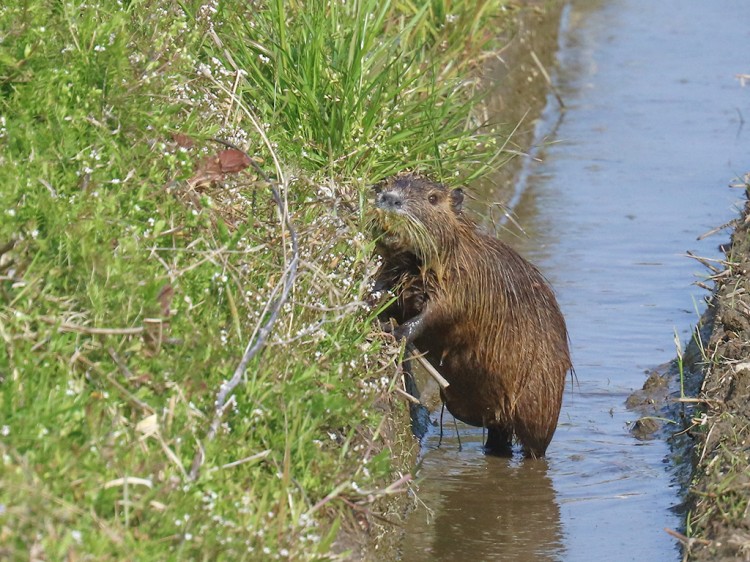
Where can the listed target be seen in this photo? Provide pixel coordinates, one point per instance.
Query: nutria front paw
(398, 331)
(388, 326)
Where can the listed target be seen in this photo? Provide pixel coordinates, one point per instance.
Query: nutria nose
(389, 201)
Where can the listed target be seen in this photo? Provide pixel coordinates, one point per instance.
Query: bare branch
(429, 368)
(68, 327)
(259, 338)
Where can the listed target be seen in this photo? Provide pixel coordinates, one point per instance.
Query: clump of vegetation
(139, 259)
(717, 521)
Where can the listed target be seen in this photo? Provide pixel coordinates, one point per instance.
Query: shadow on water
(621, 187)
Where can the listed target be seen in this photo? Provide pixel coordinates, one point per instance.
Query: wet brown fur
(485, 317)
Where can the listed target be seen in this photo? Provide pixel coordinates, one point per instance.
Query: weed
(359, 88)
(680, 363)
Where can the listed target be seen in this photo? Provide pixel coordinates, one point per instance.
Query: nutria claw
(387, 326)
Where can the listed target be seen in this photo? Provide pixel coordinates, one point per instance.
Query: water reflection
(506, 509)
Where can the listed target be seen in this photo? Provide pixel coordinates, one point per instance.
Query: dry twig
(429, 368)
(705, 261)
(685, 540)
(407, 396)
(713, 231)
(259, 337)
(67, 327)
(548, 79)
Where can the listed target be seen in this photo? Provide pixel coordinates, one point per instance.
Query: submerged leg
(499, 442)
(458, 435)
(420, 416)
(534, 447)
(535, 430)
(442, 411)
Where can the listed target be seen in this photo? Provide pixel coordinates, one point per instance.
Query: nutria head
(416, 215)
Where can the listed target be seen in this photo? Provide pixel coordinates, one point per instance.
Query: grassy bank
(139, 261)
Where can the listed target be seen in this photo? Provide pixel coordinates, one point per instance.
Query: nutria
(485, 317)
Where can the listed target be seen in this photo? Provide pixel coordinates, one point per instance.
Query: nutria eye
(433, 199)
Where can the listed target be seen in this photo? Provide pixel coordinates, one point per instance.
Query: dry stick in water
(260, 336)
(713, 231)
(548, 79)
(429, 368)
(407, 396)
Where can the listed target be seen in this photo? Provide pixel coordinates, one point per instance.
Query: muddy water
(651, 136)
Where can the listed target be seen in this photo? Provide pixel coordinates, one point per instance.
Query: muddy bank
(700, 404)
(718, 521)
(517, 82)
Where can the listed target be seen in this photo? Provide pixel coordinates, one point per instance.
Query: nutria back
(486, 318)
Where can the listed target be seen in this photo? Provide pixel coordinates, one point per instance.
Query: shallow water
(635, 169)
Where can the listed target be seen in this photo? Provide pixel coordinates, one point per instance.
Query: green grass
(129, 288)
(363, 88)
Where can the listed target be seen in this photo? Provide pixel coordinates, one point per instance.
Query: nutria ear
(457, 199)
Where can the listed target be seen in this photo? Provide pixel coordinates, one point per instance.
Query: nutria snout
(390, 201)
(485, 317)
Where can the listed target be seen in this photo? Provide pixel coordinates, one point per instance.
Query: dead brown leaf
(233, 161)
(183, 140)
(214, 168)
